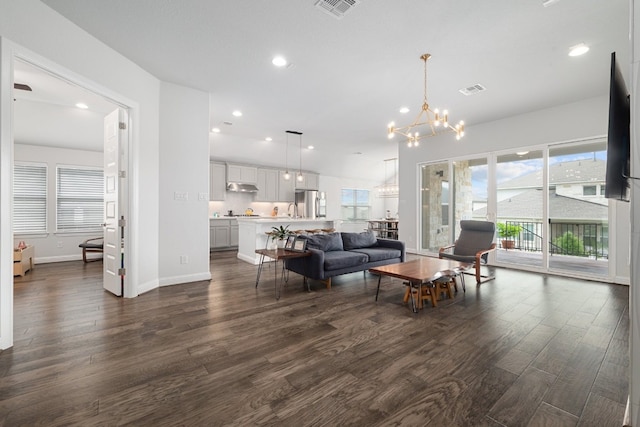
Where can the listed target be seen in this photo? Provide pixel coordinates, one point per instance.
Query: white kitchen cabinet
(223, 233)
(242, 174)
(233, 235)
(217, 181)
(267, 185)
(286, 188)
(310, 181)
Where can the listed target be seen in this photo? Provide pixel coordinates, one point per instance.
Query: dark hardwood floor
(522, 350)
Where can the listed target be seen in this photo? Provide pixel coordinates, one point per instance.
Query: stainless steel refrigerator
(311, 204)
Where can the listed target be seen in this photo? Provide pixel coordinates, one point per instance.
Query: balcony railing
(576, 239)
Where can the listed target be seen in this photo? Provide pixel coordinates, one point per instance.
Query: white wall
(33, 31)
(184, 162)
(53, 247)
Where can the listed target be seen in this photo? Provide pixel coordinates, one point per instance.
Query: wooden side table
(23, 260)
(276, 255)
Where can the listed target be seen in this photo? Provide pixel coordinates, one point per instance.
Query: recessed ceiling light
(311, 147)
(215, 130)
(237, 113)
(404, 110)
(522, 153)
(82, 106)
(279, 61)
(579, 49)
(268, 139)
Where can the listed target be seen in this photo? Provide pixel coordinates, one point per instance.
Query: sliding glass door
(520, 208)
(548, 205)
(578, 210)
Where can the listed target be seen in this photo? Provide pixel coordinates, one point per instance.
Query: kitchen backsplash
(239, 202)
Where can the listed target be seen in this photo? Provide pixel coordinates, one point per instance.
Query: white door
(115, 134)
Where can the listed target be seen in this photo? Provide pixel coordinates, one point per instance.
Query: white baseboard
(187, 278)
(146, 287)
(250, 260)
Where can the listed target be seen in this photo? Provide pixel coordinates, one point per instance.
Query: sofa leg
(328, 282)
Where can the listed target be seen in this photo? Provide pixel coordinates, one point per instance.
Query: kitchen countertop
(279, 219)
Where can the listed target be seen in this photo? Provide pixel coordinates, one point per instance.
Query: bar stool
(314, 231)
(328, 230)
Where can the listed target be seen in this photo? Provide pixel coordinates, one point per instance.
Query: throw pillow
(358, 240)
(325, 242)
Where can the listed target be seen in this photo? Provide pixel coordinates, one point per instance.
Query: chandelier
(430, 120)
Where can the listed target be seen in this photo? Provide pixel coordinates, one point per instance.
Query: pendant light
(299, 176)
(287, 175)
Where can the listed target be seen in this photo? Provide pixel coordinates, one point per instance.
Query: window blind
(80, 199)
(29, 198)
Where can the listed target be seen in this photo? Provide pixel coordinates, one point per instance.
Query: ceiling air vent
(472, 90)
(336, 8)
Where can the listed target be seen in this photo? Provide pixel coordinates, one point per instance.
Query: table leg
(259, 269)
(378, 290)
(414, 308)
(275, 279)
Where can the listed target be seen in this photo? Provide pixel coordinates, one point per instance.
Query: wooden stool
(428, 293)
(443, 285)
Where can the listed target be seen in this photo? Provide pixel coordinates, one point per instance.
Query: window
(589, 190)
(29, 198)
(355, 204)
(80, 199)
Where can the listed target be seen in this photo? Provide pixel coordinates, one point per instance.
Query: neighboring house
(576, 205)
(578, 179)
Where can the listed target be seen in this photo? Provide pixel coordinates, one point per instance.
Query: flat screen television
(618, 137)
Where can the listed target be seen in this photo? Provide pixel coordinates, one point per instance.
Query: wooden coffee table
(420, 272)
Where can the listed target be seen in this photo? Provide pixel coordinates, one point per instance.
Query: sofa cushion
(358, 240)
(324, 242)
(335, 260)
(379, 254)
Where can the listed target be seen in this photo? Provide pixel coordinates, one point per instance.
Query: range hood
(241, 188)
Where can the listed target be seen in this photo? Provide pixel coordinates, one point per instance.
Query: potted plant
(507, 232)
(279, 234)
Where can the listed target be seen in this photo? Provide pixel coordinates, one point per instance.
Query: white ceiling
(349, 77)
(47, 115)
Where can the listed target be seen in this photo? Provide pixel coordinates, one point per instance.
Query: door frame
(9, 52)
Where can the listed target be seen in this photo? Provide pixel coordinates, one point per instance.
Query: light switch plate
(180, 196)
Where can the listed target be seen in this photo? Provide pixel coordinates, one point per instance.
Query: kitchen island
(252, 233)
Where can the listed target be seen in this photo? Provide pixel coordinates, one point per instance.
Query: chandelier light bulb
(287, 175)
(299, 177)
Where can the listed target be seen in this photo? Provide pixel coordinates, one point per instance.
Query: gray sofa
(340, 253)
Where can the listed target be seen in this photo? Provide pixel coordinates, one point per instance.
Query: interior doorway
(11, 119)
